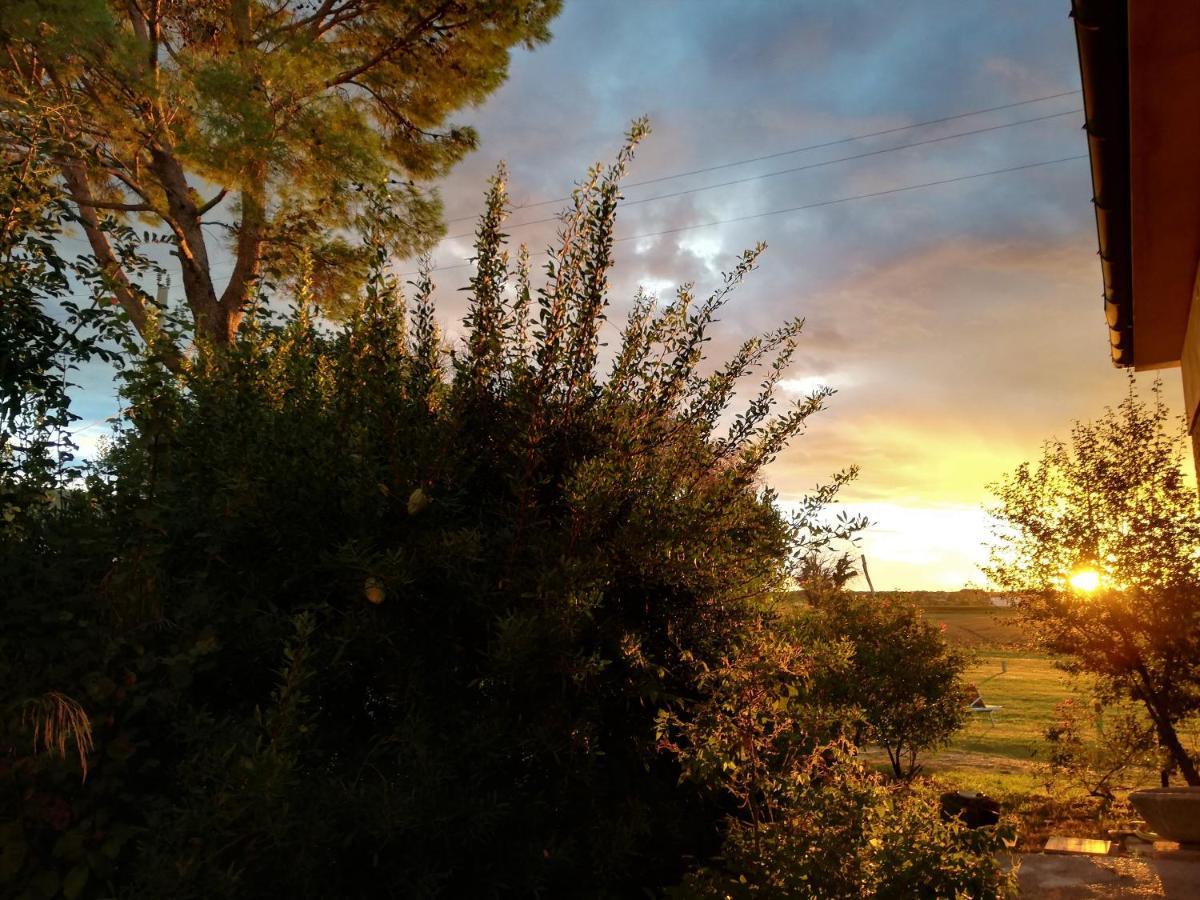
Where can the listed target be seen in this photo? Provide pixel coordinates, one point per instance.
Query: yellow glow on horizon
(1085, 580)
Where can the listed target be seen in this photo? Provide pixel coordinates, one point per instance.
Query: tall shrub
(384, 614)
(351, 613)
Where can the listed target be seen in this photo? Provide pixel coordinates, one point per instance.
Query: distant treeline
(963, 597)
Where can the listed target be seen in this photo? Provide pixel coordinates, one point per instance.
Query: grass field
(976, 627)
(1027, 687)
(1004, 755)
(1008, 674)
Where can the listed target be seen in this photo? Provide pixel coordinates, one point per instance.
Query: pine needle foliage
(255, 124)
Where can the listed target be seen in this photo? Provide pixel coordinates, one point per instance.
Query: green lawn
(1028, 686)
(1008, 674)
(1005, 758)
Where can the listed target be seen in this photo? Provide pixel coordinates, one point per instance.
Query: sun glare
(1085, 580)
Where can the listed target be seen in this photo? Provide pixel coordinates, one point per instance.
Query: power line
(821, 203)
(899, 190)
(224, 270)
(773, 212)
(804, 168)
(95, 423)
(833, 143)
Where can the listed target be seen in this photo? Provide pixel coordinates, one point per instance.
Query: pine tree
(260, 119)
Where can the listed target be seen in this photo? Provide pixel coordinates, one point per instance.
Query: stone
(1171, 813)
(1059, 844)
(975, 810)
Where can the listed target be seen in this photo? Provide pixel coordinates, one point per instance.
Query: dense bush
(348, 615)
(903, 678)
(840, 832)
(39, 351)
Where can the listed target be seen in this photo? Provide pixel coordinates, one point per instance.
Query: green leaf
(75, 882)
(46, 882)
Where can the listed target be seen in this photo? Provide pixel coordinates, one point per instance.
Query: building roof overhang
(1140, 70)
(1101, 35)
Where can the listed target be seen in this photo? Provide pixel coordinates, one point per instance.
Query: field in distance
(1005, 754)
(971, 617)
(979, 627)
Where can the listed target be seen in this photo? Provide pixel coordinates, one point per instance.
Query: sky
(961, 324)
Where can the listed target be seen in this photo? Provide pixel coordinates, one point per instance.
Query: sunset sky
(961, 323)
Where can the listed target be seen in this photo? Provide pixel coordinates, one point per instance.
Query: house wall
(1190, 363)
(1164, 169)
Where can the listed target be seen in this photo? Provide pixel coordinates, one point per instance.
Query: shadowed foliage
(355, 614)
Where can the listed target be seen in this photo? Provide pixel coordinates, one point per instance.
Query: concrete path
(1056, 877)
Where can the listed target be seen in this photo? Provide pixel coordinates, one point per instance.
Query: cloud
(966, 358)
(961, 323)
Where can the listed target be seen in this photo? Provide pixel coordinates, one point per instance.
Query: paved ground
(1094, 877)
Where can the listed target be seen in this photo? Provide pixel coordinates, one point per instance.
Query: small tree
(1092, 752)
(904, 679)
(1112, 512)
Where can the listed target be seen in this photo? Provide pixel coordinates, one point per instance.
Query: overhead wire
(775, 212)
(762, 158)
(814, 205)
(790, 171)
(95, 423)
(225, 269)
(831, 143)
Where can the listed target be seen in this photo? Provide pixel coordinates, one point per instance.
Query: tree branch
(127, 295)
(184, 220)
(117, 207)
(245, 269)
(316, 20)
(207, 207)
(137, 19)
(390, 50)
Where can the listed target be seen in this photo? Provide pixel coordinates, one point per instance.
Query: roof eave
(1102, 38)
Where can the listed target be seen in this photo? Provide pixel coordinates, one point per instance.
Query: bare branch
(207, 207)
(318, 20)
(117, 207)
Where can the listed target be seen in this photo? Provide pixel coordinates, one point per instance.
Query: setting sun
(1085, 580)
